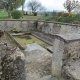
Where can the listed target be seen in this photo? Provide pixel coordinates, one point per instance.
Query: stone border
(43, 21)
(19, 45)
(42, 39)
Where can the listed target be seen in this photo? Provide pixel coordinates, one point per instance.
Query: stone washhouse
(64, 39)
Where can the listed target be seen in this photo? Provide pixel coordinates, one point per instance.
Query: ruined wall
(66, 56)
(12, 61)
(72, 50)
(71, 61)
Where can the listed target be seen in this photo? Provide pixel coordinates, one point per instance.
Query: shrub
(73, 15)
(35, 13)
(65, 14)
(49, 18)
(59, 13)
(16, 14)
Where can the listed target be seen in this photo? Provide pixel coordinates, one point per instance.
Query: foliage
(9, 5)
(48, 18)
(4, 15)
(35, 13)
(70, 5)
(59, 13)
(54, 13)
(65, 14)
(66, 17)
(16, 14)
(46, 14)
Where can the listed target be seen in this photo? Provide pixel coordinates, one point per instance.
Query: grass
(30, 17)
(3, 15)
(28, 39)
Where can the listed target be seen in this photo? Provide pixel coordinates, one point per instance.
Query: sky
(51, 5)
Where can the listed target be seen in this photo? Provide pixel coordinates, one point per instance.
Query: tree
(22, 8)
(42, 10)
(77, 11)
(9, 5)
(70, 5)
(34, 6)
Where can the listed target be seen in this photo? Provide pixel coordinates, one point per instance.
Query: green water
(28, 39)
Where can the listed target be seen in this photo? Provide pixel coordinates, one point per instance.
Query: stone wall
(43, 26)
(56, 28)
(12, 61)
(66, 56)
(46, 38)
(24, 25)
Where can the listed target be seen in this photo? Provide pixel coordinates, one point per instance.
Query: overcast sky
(52, 4)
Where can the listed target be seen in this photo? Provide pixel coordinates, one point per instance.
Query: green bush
(16, 14)
(35, 13)
(49, 18)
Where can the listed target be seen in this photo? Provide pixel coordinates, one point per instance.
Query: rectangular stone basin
(29, 39)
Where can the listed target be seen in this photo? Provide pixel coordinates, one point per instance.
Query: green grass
(3, 15)
(30, 17)
(28, 39)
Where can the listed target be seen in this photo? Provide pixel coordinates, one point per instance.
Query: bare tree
(70, 5)
(42, 10)
(34, 6)
(77, 11)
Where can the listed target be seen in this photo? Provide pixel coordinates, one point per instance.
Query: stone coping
(68, 36)
(19, 45)
(42, 21)
(59, 23)
(16, 20)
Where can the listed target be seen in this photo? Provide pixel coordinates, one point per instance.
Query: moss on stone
(28, 39)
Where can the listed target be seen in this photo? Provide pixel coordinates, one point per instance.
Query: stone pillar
(66, 50)
(58, 49)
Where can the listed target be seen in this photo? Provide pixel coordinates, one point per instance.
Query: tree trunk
(22, 9)
(9, 13)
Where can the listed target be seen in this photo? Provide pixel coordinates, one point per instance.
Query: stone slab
(69, 36)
